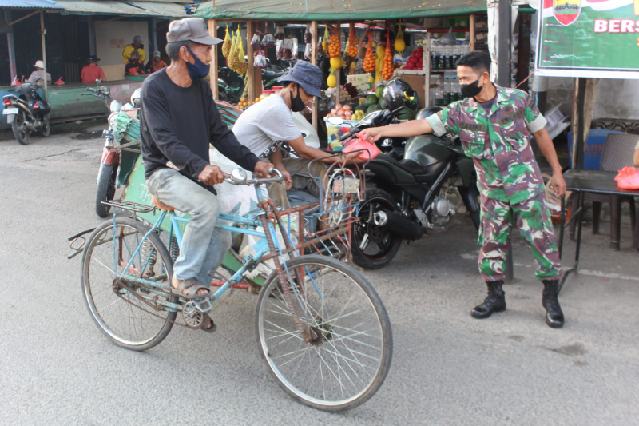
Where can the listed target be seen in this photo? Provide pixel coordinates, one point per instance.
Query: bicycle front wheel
(126, 283)
(349, 355)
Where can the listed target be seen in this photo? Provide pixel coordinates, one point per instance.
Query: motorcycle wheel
(381, 245)
(20, 129)
(45, 130)
(106, 189)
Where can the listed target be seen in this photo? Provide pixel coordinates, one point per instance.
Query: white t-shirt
(264, 125)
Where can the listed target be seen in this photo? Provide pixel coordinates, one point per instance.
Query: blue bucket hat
(307, 75)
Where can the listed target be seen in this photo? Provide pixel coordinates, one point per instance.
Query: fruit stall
(359, 47)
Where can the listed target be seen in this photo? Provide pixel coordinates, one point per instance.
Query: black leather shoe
(550, 301)
(494, 302)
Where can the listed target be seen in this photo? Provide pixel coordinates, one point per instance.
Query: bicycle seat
(160, 205)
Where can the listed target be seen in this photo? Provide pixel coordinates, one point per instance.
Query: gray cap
(307, 75)
(190, 29)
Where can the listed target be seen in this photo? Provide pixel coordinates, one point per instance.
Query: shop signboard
(588, 38)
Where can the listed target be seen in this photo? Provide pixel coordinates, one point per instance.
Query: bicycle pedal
(203, 305)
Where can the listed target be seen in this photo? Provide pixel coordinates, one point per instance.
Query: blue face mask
(199, 69)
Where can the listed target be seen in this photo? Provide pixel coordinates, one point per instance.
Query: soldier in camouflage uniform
(495, 125)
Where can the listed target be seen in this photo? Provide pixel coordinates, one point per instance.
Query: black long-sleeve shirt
(177, 125)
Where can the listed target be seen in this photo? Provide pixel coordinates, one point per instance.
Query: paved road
(56, 368)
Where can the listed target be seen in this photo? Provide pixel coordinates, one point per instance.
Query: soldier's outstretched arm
(547, 148)
(402, 130)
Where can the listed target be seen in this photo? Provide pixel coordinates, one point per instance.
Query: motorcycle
(121, 147)
(27, 112)
(412, 187)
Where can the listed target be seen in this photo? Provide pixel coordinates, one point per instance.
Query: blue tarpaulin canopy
(30, 4)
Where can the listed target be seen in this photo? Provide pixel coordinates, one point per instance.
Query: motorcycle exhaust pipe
(399, 225)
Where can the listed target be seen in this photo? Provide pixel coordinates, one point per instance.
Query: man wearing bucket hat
(267, 125)
(179, 119)
(39, 73)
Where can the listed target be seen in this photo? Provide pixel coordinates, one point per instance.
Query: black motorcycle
(411, 188)
(27, 112)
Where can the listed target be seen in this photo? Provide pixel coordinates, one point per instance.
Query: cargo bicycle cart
(321, 328)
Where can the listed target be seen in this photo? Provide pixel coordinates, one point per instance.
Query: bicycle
(322, 330)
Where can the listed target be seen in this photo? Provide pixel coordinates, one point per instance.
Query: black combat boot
(494, 302)
(549, 300)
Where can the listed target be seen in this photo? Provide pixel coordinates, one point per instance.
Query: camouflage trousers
(532, 218)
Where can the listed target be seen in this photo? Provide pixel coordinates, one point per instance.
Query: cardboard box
(113, 72)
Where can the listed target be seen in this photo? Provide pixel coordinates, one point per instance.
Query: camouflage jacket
(498, 141)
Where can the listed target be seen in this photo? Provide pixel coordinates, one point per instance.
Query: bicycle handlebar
(239, 177)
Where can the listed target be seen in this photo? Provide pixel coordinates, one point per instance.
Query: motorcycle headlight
(115, 106)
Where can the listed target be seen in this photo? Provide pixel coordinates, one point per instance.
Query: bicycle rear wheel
(126, 284)
(348, 358)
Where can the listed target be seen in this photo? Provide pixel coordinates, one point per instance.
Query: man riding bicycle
(179, 119)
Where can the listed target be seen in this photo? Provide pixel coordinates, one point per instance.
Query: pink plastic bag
(368, 150)
(628, 178)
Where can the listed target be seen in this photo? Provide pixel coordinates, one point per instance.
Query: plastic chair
(617, 153)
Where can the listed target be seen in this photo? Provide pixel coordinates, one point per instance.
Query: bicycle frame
(240, 225)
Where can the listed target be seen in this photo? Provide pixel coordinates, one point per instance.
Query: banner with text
(588, 38)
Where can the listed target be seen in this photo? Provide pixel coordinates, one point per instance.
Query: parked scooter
(410, 189)
(27, 112)
(121, 148)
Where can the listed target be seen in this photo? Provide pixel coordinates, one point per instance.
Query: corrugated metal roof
(30, 4)
(142, 8)
(308, 10)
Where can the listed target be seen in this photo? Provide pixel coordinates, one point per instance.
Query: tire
(388, 243)
(94, 266)
(20, 130)
(45, 130)
(106, 189)
(318, 304)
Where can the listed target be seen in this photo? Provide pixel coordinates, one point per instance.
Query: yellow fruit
(331, 81)
(336, 63)
(400, 45)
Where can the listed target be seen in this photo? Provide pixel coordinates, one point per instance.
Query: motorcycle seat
(418, 172)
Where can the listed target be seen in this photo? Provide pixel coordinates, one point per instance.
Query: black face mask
(297, 105)
(470, 90)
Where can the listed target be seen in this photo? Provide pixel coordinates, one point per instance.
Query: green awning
(336, 10)
(141, 8)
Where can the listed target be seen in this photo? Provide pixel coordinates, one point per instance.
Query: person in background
(134, 56)
(266, 126)
(636, 156)
(39, 73)
(156, 63)
(92, 71)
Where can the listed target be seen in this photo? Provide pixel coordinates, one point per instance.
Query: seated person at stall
(92, 71)
(134, 56)
(39, 73)
(266, 126)
(156, 63)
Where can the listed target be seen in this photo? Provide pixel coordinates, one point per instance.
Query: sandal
(207, 324)
(189, 289)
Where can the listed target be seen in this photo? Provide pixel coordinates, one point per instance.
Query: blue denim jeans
(203, 246)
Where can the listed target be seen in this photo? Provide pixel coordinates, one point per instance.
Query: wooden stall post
(43, 32)
(251, 68)
(11, 47)
(583, 102)
(315, 111)
(212, 27)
